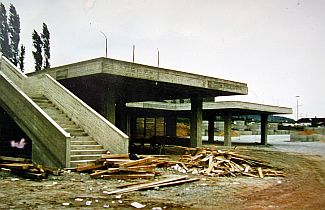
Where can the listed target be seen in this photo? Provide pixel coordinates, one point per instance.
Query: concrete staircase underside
(83, 147)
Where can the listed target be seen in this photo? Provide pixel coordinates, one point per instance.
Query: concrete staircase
(83, 147)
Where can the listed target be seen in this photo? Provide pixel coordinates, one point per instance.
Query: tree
(22, 57)
(37, 43)
(14, 33)
(4, 38)
(46, 46)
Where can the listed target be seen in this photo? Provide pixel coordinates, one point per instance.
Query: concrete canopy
(235, 107)
(132, 82)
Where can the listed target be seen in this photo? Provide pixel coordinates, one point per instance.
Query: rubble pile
(212, 162)
(119, 166)
(24, 168)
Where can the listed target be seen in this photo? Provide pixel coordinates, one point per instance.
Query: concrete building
(74, 113)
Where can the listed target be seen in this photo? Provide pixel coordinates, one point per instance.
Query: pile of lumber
(24, 168)
(119, 166)
(212, 162)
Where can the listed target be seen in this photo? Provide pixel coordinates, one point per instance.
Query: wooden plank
(115, 156)
(137, 162)
(174, 183)
(131, 184)
(144, 186)
(20, 166)
(247, 168)
(147, 168)
(249, 174)
(116, 162)
(128, 176)
(211, 165)
(260, 172)
(88, 167)
(98, 174)
(13, 159)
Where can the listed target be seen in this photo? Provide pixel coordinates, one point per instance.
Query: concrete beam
(196, 121)
(264, 129)
(227, 128)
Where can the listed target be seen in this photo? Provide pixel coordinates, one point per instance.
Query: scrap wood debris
(161, 183)
(24, 168)
(119, 166)
(212, 162)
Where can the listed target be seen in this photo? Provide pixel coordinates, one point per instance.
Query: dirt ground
(302, 188)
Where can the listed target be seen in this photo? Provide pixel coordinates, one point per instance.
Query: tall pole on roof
(105, 42)
(297, 107)
(158, 56)
(133, 53)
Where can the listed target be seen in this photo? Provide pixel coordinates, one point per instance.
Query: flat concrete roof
(236, 107)
(142, 82)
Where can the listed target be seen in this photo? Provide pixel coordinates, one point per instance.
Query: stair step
(85, 157)
(78, 133)
(86, 146)
(80, 143)
(41, 100)
(66, 123)
(87, 152)
(52, 110)
(83, 147)
(82, 138)
(70, 127)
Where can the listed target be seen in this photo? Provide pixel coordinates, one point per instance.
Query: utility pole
(105, 42)
(297, 107)
(133, 53)
(158, 56)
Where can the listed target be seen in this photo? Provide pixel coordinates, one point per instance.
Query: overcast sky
(277, 47)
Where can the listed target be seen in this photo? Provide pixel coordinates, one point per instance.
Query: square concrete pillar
(227, 129)
(107, 109)
(264, 129)
(122, 121)
(171, 125)
(211, 129)
(196, 121)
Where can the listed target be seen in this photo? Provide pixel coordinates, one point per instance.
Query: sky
(277, 47)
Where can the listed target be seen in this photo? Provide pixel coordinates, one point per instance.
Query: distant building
(314, 122)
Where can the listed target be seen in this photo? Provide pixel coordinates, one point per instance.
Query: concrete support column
(196, 121)
(211, 129)
(227, 129)
(108, 106)
(122, 121)
(264, 129)
(171, 125)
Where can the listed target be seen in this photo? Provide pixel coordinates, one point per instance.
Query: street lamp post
(105, 42)
(297, 107)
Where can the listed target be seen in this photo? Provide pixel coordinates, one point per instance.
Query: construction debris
(119, 166)
(212, 162)
(161, 183)
(24, 168)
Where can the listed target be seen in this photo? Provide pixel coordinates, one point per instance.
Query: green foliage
(46, 46)
(14, 33)
(4, 38)
(22, 57)
(37, 43)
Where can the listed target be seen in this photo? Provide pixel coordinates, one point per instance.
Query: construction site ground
(302, 188)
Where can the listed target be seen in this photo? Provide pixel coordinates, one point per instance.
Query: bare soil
(302, 188)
